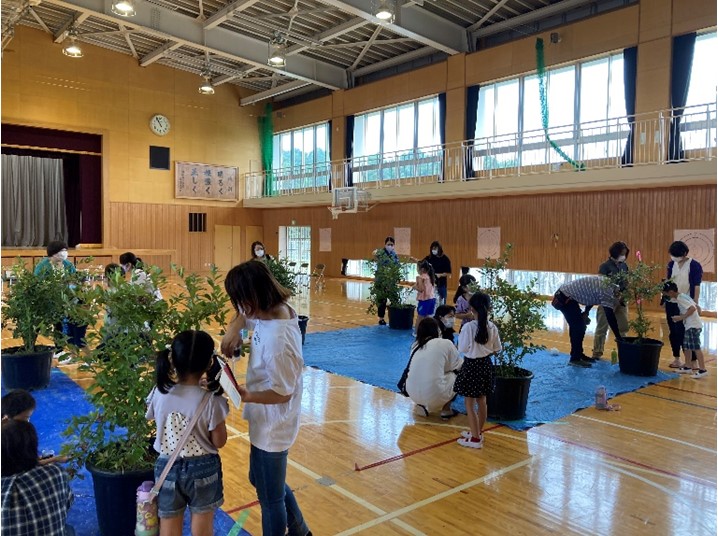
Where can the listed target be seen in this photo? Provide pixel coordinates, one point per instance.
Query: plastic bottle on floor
(601, 397)
(614, 357)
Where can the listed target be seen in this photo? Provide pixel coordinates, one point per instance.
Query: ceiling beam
(158, 53)
(531, 16)
(396, 60)
(39, 20)
(366, 48)
(129, 41)
(329, 34)
(486, 17)
(167, 25)
(60, 35)
(418, 24)
(262, 95)
(227, 13)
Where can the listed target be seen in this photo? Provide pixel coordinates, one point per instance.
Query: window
(301, 157)
(586, 116)
(699, 117)
(397, 142)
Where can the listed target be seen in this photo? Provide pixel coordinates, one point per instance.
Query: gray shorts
(195, 482)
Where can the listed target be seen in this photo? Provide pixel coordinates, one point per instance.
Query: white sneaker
(421, 411)
(699, 374)
(685, 370)
(470, 443)
(466, 434)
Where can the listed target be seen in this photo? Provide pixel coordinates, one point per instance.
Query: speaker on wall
(159, 157)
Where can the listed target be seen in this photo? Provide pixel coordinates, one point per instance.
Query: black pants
(676, 331)
(576, 328)
(381, 310)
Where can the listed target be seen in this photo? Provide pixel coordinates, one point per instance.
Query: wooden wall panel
(156, 226)
(587, 223)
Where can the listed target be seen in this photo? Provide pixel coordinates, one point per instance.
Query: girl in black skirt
(478, 340)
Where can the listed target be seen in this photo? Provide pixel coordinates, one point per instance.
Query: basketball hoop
(335, 212)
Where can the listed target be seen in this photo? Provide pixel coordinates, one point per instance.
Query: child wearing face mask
(445, 315)
(461, 299)
(687, 274)
(614, 265)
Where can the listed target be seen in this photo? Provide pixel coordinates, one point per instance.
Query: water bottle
(601, 397)
(614, 357)
(147, 523)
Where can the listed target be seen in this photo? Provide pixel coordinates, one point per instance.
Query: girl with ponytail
(195, 479)
(478, 341)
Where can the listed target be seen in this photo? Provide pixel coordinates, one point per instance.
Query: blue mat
(377, 355)
(55, 405)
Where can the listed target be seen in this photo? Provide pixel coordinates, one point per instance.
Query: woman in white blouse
(430, 382)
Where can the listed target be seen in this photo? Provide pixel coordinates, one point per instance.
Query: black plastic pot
(116, 499)
(303, 321)
(639, 359)
(401, 317)
(26, 371)
(510, 396)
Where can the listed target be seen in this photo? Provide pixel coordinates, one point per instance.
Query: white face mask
(259, 253)
(389, 248)
(62, 255)
(621, 258)
(449, 321)
(676, 259)
(434, 251)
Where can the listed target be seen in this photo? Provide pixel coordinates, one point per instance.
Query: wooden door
(223, 237)
(238, 253)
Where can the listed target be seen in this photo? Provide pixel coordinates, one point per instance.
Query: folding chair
(304, 274)
(318, 274)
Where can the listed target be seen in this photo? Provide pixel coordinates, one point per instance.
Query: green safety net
(266, 137)
(541, 68)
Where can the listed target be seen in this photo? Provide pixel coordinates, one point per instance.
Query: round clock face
(159, 124)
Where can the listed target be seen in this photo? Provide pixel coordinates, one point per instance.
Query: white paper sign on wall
(488, 241)
(701, 243)
(402, 235)
(325, 239)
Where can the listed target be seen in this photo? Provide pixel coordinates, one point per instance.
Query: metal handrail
(598, 144)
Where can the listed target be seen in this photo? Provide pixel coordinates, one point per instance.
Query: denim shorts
(426, 307)
(195, 482)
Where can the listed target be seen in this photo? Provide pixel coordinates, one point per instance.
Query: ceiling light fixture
(277, 51)
(206, 88)
(72, 49)
(124, 8)
(384, 11)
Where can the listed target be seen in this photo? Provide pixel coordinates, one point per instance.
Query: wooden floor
(363, 464)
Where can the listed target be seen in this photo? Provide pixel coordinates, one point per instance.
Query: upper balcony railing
(594, 145)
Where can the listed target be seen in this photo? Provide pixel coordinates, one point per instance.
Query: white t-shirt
(684, 303)
(173, 411)
(472, 349)
(431, 381)
(679, 274)
(276, 363)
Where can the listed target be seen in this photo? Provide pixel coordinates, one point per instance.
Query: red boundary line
(684, 390)
(243, 507)
(695, 479)
(417, 451)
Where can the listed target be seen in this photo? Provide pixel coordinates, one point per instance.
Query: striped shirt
(592, 290)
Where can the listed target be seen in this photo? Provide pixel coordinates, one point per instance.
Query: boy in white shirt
(692, 322)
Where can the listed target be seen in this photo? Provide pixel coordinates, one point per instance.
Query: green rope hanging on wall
(541, 68)
(266, 138)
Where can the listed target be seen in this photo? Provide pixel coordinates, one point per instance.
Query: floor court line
(676, 400)
(348, 494)
(429, 500)
(416, 451)
(683, 390)
(639, 431)
(694, 479)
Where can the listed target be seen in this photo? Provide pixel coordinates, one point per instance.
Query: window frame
(301, 176)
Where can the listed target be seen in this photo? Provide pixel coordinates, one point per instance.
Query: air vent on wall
(197, 222)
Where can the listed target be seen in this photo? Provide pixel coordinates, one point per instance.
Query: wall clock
(159, 124)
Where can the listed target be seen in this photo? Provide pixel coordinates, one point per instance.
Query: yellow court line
(348, 494)
(439, 496)
(637, 430)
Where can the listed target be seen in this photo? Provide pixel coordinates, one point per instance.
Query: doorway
(227, 246)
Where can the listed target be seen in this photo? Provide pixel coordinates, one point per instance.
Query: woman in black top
(442, 268)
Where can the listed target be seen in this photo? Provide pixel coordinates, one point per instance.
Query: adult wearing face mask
(445, 315)
(57, 260)
(259, 252)
(442, 268)
(384, 256)
(615, 264)
(687, 274)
